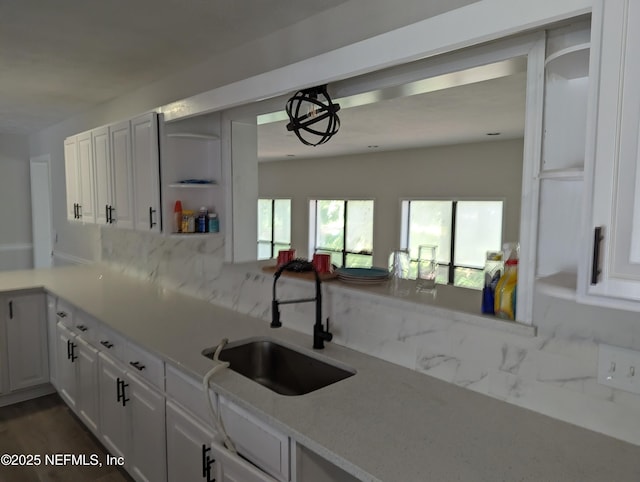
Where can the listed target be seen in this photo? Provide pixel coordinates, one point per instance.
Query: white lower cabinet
(132, 416)
(78, 376)
(87, 401)
(156, 418)
(26, 340)
(113, 420)
(67, 385)
(256, 441)
(188, 447)
(52, 336)
(232, 468)
(194, 455)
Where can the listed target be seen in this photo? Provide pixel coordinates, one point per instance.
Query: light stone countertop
(386, 423)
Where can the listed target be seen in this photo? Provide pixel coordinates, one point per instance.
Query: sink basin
(282, 369)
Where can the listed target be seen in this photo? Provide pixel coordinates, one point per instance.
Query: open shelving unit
(561, 175)
(191, 151)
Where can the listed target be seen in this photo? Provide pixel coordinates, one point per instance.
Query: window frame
(451, 266)
(272, 242)
(313, 228)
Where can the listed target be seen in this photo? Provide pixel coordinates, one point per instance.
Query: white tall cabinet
(611, 274)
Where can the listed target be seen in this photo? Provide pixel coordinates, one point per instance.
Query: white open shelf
(192, 151)
(571, 62)
(181, 185)
(561, 285)
(568, 174)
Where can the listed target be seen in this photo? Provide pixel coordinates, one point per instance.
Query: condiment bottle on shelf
(214, 222)
(505, 296)
(177, 217)
(202, 220)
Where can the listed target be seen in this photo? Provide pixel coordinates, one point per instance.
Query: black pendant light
(313, 115)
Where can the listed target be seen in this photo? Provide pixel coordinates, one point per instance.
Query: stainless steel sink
(280, 368)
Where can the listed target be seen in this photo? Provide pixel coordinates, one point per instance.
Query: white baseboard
(28, 394)
(16, 247)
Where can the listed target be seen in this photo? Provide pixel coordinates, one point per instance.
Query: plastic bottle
(214, 223)
(505, 296)
(493, 269)
(177, 217)
(188, 225)
(202, 220)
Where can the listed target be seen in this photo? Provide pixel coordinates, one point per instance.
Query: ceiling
(460, 114)
(61, 57)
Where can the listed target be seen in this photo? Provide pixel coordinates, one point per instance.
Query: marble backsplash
(553, 372)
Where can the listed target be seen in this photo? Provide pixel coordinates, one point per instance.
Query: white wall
(15, 203)
(486, 170)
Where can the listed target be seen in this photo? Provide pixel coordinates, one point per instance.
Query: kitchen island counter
(386, 423)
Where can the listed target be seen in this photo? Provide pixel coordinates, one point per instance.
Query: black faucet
(320, 334)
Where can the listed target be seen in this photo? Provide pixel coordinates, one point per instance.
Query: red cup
(285, 255)
(322, 262)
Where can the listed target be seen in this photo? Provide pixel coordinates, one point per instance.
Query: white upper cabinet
(121, 207)
(71, 177)
(102, 162)
(146, 173)
(112, 175)
(86, 178)
(79, 172)
(610, 275)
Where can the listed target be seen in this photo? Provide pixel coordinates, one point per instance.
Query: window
(274, 227)
(463, 231)
(343, 229)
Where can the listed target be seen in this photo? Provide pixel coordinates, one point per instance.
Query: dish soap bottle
(505, 296)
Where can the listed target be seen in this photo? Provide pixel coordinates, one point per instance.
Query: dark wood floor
(46, 426)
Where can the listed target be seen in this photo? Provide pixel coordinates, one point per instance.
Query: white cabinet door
(188, 447)
(148, 443)
(115, 431)
(146, 172)
(231, 468)
(102, 163)
(614, 267)
(26, 341)
(86, 178)
(122, 175)
(66, 368)
(52, 338)
(255, 440)
(87, 384)
(71, 177)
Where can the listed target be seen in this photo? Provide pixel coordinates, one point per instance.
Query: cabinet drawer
(189, 393)
(65, 312)
(86, 327)
(144, 364)
(256, 441)
(110, 342)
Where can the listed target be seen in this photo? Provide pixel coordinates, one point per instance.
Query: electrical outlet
(619, 368)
